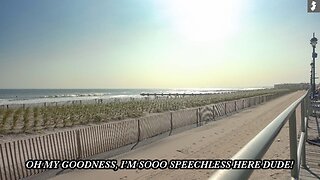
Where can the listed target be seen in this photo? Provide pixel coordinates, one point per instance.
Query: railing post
(293, 144)
(199, 115)
(171, 123)
(139, 130)
(242, 103)
(259, 99)
(303, 129)
(213, 112)
(78, 144)
(308, 112)
(139, 135)
(225, 108)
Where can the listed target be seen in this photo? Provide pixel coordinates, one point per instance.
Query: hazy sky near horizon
(154, 43)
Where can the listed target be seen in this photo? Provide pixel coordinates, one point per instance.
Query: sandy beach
(216, 140)
(18, 122)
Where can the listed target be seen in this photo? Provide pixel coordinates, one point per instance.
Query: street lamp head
(313, 41)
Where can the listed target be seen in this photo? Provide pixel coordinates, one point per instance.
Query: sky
(155, 43)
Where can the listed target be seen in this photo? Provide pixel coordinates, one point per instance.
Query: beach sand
(216, 140)
(20, 122)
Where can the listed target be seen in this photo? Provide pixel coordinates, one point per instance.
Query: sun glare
(204, 20)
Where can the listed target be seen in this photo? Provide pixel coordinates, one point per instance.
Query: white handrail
(259, 145)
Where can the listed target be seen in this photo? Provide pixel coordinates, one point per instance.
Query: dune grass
(33, 119)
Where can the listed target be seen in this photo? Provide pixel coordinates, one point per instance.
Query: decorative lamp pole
(310, 76)
(313, 42)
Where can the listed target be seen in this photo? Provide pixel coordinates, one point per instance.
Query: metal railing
(260, 144)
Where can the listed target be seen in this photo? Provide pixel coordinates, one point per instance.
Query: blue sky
(154, 43)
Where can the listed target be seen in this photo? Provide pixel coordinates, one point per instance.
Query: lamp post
(313, 42)
(311, 77)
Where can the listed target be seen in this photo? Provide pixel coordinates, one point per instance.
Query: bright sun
(204, 20)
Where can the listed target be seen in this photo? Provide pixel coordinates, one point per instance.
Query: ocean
(28, 96)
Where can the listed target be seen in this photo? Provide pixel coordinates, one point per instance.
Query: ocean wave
(126, 96)
(64, 99)
(76, 95)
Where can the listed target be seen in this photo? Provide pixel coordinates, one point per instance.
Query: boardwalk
(313, 153)
(216, 140)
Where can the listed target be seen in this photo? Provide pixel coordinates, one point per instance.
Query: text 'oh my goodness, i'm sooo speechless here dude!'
(113, 164)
